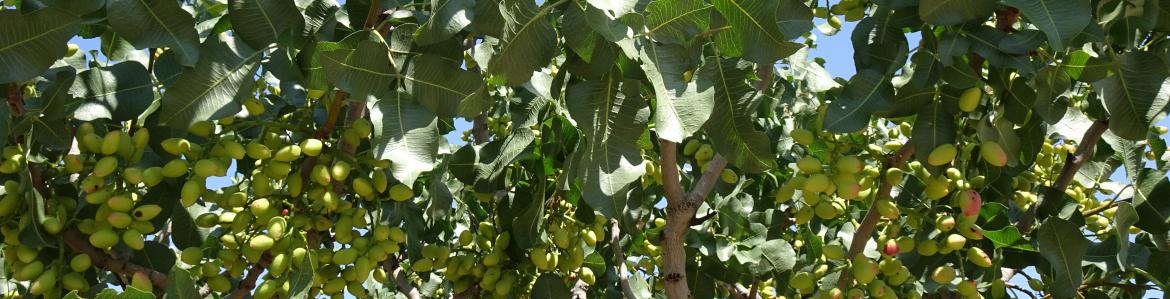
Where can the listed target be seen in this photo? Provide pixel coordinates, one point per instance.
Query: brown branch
(393, 267)
(865, 230)
(15, 99)
(765, 73)
(619, 257)
(372, 14)
(479, 129)
(1072, 164)
(249, 282)
(755, 289)
(704, 218)
(331, 114)
(80, 243)
(1102, 208)
(580, 290)
(680, 210)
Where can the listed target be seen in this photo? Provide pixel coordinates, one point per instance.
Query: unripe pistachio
(942, 155)
(993, 153)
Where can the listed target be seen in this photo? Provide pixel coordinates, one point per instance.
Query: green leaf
(732, 127)
(608, 159)
(56, 98)
(934, 126)
(682, 107)
(1049, 84)
(549, 286)
(1086, 67)
(614, 8)
(210, 90)
(754, 25)
(1008, 237)
(773, 256)
(359, 64)
(867, 92)
(443, 87)
(1125, 217)
(879, 44)
(185, 234)
(676, 22)
(406, 133)
(30, 43)
(263, 22)
(1151, 199)
(1137, 95)
(1062, 245)
(954, 12)
(1061, 20)
(795, 17)
(156, 24)
(488, 19)
(301, 280)
(181, 285)
(120, 92)
(155, 256)
(529, 43)
(448, 18)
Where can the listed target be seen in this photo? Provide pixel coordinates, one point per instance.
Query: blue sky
(837, 51)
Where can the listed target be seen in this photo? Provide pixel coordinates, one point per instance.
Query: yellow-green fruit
(320, 175)
(260, 242)
(816, 183)
(587, 276)
(928, 248)
(970, 99)
(937, 188)
(191, 255)
(234, 149)
(288, 153)
(801, 280)
(943, 274)
(105, 166)
(74, 282)
(976, 256)
(968, 288)
(175, 168)
(397, 235)
(254, 106)
(277, 227)
(142, 282)
(400, 192)
(942, 154)
(176, 146)
(152, 176)
(312, 147)
(80, 262)
(423, 265)
(133, 239)
(803, 136)
(111, 141)
(363, 188)
(119, 219)
(190, 192)
(381, 181)
(105, 238)
(809, 165)
(120, 203)
(278, 265)
(202, 128)
(864, 270)
(955, 242)
(219, 283)
(29, 271)
(728, 176)
(258, 151)
(833, 252)
(73, 164)
(849, 165)
(993, 153)
(91, 142)
(146, 212)
(704, 153)
(206, 168)
(340, 170)
(362, 127)
(691, 147)
(47, 281)
(52, 225)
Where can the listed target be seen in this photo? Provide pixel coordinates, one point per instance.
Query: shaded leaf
(448, 18)
(1137, 95)
(1062, 245)
(1061, 20)
(120, 92)
(443, 87)
(263, 22)
(934, 126)
(156, 24)
(954, 12)
(359, 64)
(210, 90)
(732, 127)
(676, 22)
(754, 25)
(867, 92)
(549, 286)
(30, 43)
(180, 285)
(608, 159)
(529, 42)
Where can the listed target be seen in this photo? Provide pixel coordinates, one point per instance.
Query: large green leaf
(732, 127)
(56, 100)
(359, 64)
(879, 44)
(119, 92)
(263, 22)
(443, 87)
(1061, 20)
(772, 256)
(934, 126)
(209, 91)
(954, 12)
(29, 44)
(754, 25)
(406, 133)
(676, 22)
(608, 159)
(1125, 217)
(1137, 95)
(1062, 245)
(180, 285)
(682, 106)
(550, 286)
(156, 24)
(614, 8)
(448, 18)
(528, 44)
(1151, 199)
(867, 92)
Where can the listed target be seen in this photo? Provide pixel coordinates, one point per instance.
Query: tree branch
(865, 230)
(249, 282)
(400, 280)
(619, 257)
(1072, 164)
(704, 218)
(372, 14)
(80, 243)
(479, 129)
(15, 99)
(680, 210)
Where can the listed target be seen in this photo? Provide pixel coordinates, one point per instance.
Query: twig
(864, 231)
(1018, 288)
(248, 283)
(78, 242)
(1072, 164)
(619, 258)
(400, 280)
(680, 210)
(15, 99)
(755, 289)
(372, 14)
(704, 218)
(479, 129)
